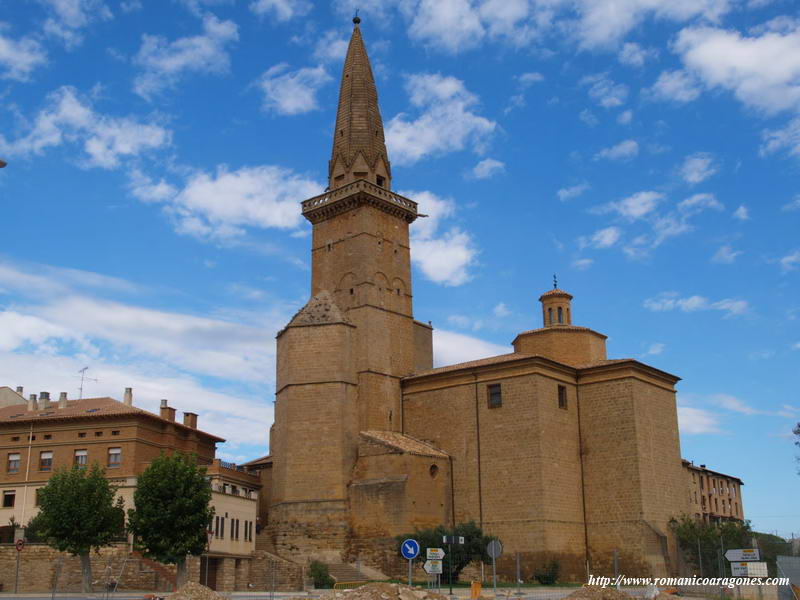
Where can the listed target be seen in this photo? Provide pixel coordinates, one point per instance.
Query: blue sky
(647, 152)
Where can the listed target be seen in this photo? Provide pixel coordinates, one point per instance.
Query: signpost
(409, 550)
(494, 549)
(450, 540)
(749, 569)
(434, 554)
(433, 567)
(20, 544)
(743, 554)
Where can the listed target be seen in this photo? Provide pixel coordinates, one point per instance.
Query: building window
(37, 500)
(115, 432)
(222, 527)
(8, 498)
(13, 463)
(216, 526)
(495, 395)
(550, 316)
(48, 436)
(560, 315)
(562, 397)
(82, 434)
(46, 461)
(15, 438)
(98, 434)
(380, 180)
(81, 458)
(114, 457)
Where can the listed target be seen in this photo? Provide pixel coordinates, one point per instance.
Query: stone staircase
(343, 572)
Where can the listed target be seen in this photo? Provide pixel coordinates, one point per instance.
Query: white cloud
(281, 10)
(331, 47)
(697, 203)
(449, 25)
(487, 168)
(163, 62)
(588, 117)
(581, 264)
(668, 301)
(451, 348)
(526, 79)
(67, 118)
(447, 121)
(19, 58)
(571, 192)
(602, 238)
(762, 71)
(787, 138)
(625, 150)
(292, 92)
(698, 167)
(625, 117)
(695, 421)
(68, 17)
(501, 310)
(725, 255)
(677, 85)
(223, 204)
(655, 349)
(604, 91)
(443, 257)
(634, 55)
(791, 261)
(734, 404)
(793, 205)
(636, 206)
(742, 213)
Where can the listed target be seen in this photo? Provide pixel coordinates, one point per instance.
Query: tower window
(560, 315)
(562, 396)
(380, 180)
(495, 395)
(549, 316)
(352, 291)
(329, 246)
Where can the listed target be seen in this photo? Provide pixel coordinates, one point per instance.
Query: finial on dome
(555, 282)
(356, 19)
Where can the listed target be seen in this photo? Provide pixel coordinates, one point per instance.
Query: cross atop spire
(359, 149)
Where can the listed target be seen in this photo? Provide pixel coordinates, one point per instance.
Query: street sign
(20, 545)
(435, 554)
(453, 539)
(749, 569)
(743, 554)
(409, 549)
(433, 567)
(494, 548)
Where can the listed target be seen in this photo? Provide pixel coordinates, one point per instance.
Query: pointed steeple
(359, 149)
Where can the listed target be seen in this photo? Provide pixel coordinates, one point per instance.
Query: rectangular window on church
(562, 397)
(495, 396)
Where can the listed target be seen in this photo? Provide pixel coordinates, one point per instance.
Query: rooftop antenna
(555, 282)
(84, 378)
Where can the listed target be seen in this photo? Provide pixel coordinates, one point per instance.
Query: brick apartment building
(40, 435)
(713, 496)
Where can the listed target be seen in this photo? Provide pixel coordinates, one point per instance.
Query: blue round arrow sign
(409, 549)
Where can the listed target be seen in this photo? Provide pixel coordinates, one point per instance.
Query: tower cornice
(358, 193)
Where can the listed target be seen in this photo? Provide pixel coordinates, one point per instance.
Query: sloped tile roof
(403, 443)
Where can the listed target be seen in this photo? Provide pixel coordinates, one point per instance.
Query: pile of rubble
(385, 591)
(194, 591)
(593, 592)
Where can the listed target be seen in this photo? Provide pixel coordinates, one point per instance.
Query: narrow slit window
(562, 397)
(495, 395)
(560, 315)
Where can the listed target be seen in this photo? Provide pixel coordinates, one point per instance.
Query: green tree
(77, 514)
(173, 511)
(474, 547)
(702, 543)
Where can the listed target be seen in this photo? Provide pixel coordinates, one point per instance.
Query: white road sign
(742, 554)
(433, 567)
(749, 569)
(435, 553)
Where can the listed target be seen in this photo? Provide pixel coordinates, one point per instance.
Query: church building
(556, 449)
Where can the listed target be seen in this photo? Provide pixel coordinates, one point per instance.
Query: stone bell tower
(341, 358)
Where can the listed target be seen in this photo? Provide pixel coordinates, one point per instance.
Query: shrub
(319, 574)
(547, 574)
